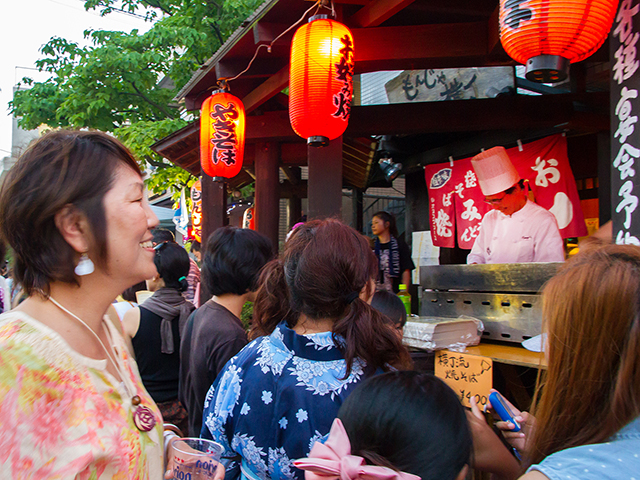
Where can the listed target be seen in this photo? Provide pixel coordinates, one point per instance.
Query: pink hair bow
(333, 461)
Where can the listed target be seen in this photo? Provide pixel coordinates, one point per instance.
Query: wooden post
(625, 133)
(295, 202)
(325, 180)
(267, 190)
(356, 202)
(417, 204)
(214, 216)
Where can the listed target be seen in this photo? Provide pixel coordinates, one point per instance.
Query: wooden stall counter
(509, 354)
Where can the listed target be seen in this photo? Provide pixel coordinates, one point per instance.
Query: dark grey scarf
(169, 304)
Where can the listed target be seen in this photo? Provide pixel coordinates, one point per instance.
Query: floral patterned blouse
(63, 415)
(274, 399)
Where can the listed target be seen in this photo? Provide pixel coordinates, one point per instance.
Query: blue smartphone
(502, 409)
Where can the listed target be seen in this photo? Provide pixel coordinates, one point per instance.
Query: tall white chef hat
(495, 171)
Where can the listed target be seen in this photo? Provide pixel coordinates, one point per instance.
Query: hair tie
(182, 278)
(351, 297)
(333, 460)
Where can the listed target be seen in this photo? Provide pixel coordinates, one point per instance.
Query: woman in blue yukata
(318, 338)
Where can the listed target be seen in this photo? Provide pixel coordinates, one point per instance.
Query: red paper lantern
(249, 219)
(222, 135)
(548, 35)
(321, 80)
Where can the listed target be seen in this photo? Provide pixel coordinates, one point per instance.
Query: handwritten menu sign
(468, 375)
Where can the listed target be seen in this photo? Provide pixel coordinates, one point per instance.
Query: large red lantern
(222, 135)
(321, 80)
(548, 35)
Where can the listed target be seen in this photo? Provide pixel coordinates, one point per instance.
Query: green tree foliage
(124, 82)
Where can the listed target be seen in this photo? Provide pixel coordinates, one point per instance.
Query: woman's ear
(74, 228)
(367, 292)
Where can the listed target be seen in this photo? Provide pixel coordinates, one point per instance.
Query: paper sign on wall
(468, 375)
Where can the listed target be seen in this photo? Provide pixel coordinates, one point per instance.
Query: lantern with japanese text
(196, 211)
(548, 35)
(222, 135)
(321, 80)
(249, 219)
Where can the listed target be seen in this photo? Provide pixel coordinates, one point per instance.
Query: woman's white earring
(85, 266)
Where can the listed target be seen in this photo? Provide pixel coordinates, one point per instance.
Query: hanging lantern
(222, 135)
(321, 80)
(196, 212)
(249, 219)
(548, 35)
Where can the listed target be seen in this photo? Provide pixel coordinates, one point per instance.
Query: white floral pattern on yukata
(274, 399)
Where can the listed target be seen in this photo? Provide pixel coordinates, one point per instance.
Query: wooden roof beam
(420, 46)
(266, 90)
(376, 12)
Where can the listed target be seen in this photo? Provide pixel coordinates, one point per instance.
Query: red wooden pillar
(267, 190)
(214, 216)
(325, 180)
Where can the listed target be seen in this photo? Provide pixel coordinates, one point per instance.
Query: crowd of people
(321, 385)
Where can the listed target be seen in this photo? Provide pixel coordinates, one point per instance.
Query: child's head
(409, 421)
(390, 305)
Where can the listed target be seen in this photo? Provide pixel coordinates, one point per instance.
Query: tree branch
(151, 102)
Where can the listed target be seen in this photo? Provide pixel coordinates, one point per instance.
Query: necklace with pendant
(143, 416)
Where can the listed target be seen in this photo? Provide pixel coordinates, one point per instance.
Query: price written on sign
(468, 375)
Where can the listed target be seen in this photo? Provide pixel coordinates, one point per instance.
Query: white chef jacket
(529, 235)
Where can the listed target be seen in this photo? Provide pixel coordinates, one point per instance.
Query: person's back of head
(130, 293)
(161, 235)
(591, 311)
(232, 260)
(411, 422)
(172, 263)
(390, 305)
(325, 267)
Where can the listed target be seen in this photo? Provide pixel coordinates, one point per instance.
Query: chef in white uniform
(516, 230)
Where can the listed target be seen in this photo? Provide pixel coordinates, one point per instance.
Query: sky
(27, 25)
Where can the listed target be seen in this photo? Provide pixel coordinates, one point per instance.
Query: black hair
(130, 293)
(390, 305)
(510, 190)
(162, 235)
(388, 218)
(232, 260)
(195, 246)
(410, 421)
(172, 262)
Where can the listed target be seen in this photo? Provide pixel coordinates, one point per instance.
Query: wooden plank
(511, 355)
(376, 12)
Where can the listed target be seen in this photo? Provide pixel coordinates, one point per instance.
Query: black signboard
(625, 109)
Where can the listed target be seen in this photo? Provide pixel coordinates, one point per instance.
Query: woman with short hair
(75, 213)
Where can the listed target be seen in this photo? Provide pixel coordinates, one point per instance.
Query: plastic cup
(195, 458)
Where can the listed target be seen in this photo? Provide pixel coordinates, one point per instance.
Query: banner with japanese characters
(457, 206)
(625, 143)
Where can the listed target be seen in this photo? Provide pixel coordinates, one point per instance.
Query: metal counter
(504, 296)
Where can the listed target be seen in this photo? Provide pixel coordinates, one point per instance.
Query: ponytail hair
(325, 267)
(272, 300)
(172, 263)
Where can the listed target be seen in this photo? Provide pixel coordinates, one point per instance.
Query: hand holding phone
(500, 406)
